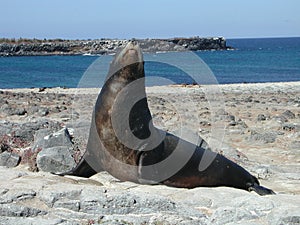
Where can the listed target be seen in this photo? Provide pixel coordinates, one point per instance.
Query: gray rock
(9, 159)
(224, 215)
(32, 221)
(33, 109)
(280, 119)
(73, 205)
(259, 207)
(56, 159)
(241, 124)
(291, 127)
(17, 195)
(284, 216)
(262, 172)
(26, 131)
(261, 117)
(264, 136)
(61, 197)
(289, 220)
(288, 114)
(123, 203)
(5, 128)
(43, 111)
(45, 140)
(11, 111)
(295, 145)
(15, 210)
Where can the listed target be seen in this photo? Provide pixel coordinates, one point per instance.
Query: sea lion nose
(131, 45)
(133, 41)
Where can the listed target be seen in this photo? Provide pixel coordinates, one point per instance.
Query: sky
(91, 19)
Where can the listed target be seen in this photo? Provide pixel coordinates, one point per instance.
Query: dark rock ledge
(31, 47)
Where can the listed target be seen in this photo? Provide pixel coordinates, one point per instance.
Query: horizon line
(115, 38)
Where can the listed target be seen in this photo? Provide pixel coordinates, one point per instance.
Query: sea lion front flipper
(83, 169)
(261, 190)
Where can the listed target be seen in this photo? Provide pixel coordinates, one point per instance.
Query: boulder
(46, 139)
(55, 159)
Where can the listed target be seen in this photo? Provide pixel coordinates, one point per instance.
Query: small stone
(265, 136)
(9, 159)
(21, 112)
(44, 111)
(232, 123)
(289, 114)
(280, 119)
(261, 117)
(295, 145)
(291, 127)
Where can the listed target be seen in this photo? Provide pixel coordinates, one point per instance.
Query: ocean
(252, 61)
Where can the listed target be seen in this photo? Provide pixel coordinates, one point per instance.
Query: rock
(11, 111)
(262, 172)
(15, 210)
(20, 112)
(16, 195)
(5, 128)
(280, 119)
(288, 114)
(32, 221)
(123, 203)
(291, 127)
(264, 136)
(46, 139)
(9, 159)
(258, 206)
(261, 117)
(26, 131)
(75, 47)
(56, 150)
(33, 109)
(55, 159)
(290, 220)
(225, 215)
(43, 111)
(295, 145)
(241, 124)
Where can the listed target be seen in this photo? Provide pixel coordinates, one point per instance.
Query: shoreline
(240, 86)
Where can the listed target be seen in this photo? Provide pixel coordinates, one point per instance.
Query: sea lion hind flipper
(261, 190)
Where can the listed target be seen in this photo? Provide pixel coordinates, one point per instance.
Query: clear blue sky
(84, 19)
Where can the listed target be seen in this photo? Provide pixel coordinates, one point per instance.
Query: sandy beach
(259, 123)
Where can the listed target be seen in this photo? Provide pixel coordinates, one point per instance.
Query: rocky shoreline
(41, 126)
(33, 47)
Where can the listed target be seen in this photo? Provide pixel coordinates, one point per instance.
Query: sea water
(251, 61)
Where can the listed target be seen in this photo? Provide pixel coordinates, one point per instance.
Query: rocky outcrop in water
(30, 47)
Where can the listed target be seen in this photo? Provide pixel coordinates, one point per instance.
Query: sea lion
(124, 142)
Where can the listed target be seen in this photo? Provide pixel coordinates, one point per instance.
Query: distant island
(34, 47)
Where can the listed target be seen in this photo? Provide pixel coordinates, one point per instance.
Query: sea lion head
(130, 59)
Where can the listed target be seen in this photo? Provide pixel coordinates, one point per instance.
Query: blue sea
(252, 61)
